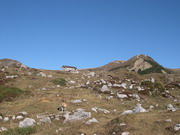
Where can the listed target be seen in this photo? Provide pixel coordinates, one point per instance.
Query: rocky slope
(112, 100)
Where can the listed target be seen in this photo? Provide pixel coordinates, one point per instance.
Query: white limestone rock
(117, 85)
(23, 113)
(104, 88)
(125, 133)
(93, 120)
(177, 127)
(19, 117)
(79, 114)
(124, 85)
(6, 119)
(103, 110)
(45, 119)
(94, 109)
(127, 112)
(121, 96)
(1, 118)
(27, 122)
(138, 108)
(77, 101)
(104, 82)
(49, 76)
(170, 108)
(2, 129)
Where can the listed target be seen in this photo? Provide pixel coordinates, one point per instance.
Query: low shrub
(59, 81)
(7, 93)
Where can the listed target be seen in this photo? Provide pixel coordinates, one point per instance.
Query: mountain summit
(141, 64)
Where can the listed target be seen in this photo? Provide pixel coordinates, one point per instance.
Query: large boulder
(138, 108)
(104, 89)
(27, 122)
(79, 114)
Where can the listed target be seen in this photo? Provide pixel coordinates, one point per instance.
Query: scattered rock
(27, 122)
(12, 76)
(93, 120)
(41, 74)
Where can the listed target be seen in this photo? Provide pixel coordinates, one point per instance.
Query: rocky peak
(11, 63)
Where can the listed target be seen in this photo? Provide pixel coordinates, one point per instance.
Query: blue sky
(47, 34)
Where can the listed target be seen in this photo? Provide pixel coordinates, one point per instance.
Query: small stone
(6, 119)
(93, 120)
(45, 119)
(76, 101)
(24, 113)
(125, 133)
(13, 117)
(127, 112)
(94, 109)
(1, 118)
(177, 127)
(168, 120)
(122, 124)
(19, 117)
(170, 108)
(121, 96)
(104, 88)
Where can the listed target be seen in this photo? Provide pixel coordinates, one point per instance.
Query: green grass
(7, 93)
(20, 131)
(59, 81)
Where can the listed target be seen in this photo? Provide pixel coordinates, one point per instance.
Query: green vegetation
(7, 93)
(20, 131)
(59, 81)
(156, 87)
(156, 68)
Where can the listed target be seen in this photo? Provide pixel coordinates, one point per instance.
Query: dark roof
(69, 67)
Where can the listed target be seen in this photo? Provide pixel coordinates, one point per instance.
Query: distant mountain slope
(141, 64)
(11, 63)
